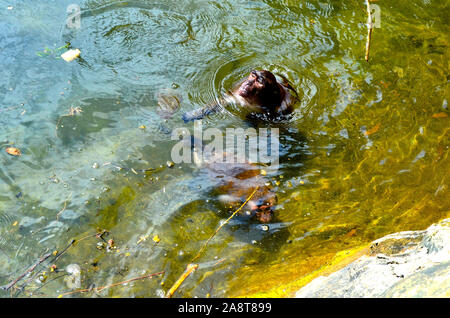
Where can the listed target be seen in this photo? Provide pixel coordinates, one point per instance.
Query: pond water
(364, 154)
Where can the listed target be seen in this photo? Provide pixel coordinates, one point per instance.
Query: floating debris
(440, 115)
(142, 239)
(73, 280)
(74, 111)
(70, 55)
(170, 164)
(13, 151)
(43, 277)
(111, 245)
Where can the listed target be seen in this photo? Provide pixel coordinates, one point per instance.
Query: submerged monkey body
(259, 93)
(235, 182)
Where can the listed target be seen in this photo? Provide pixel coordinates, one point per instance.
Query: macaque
(236, 182)
(259, 93)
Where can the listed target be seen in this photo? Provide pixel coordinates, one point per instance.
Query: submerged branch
(98, 289)
(29, 270)
(223, 224)
(54, 260)
(65, 205)
(189, 269)
(192, 267)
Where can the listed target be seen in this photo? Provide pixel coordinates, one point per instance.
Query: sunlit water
(365, 153)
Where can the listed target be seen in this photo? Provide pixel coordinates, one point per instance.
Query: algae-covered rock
(405, 264)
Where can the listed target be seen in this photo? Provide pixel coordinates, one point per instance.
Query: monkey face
(264, 205)
(260, 88)
(264, 212)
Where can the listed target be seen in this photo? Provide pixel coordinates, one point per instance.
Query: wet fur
(259, 93)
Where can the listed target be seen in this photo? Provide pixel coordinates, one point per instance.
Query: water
(365, 154)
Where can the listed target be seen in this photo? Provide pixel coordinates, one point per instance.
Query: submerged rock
(405, 264)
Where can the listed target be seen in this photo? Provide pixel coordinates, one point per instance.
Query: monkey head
(261, 88)
(263, 204)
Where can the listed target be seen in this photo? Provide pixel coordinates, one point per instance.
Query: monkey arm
(199, 113)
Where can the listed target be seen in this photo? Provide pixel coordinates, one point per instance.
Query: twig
(98, 289)
(6, 287)
(223, 224)
(55, 259)
(49, 281)
(219, 261)
(9, 108)
(63, 251)
(192, 267)
(65, 204)
(99, 235)
(369, 30)
(189, 269)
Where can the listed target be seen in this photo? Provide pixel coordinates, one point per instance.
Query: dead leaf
(13, 151)
(440, 115)
(372, 130)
